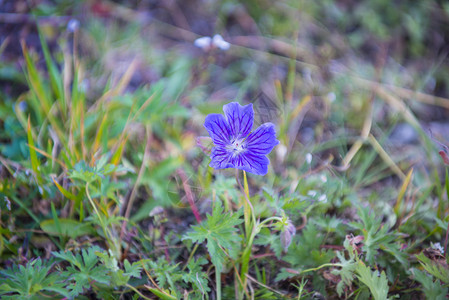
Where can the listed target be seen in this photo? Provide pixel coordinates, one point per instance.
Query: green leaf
(438, 269)
(164, 272)
(348, 268)
(196, 276)
(306, 251)
(377, 283)
(85, 268)
(31, 281)
(35, 163)
(120, 277)
(378, 236)
(432, 289)
(162, 294)
(67, 227)
(265, 237)
(220, 233)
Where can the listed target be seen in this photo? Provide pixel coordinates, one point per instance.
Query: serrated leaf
(378, 236)
(306, 251)
(85, 268)
(438, 269)
(346, 273)
(196, 276)
(377, 283)
(30, 281)
(432, 289)
(265, 237)
(220, 232)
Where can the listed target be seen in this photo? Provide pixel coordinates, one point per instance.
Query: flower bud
(287, 235)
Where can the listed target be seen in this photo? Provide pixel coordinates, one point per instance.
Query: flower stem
(218, 282)
(251, 230)
(246, 208)
(320, 267)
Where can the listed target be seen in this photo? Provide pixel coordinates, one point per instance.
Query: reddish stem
(189, 194)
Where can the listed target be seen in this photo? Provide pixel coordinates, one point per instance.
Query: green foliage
(439, 269)
(98, 123)
(266, 237)
(375, 281)
(220, 233)
(306, 252)
(84, 270)
(196, 277)
(226, 188)
(172, 281)
(87, 174)
(120, 277)
(32, 281)
(378, 236)
(348, 268)
(432, 289)
(292, 202)
(166, 273)
(67, 227)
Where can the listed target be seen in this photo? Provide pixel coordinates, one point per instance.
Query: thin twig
(13, 18)
(263, 285)
(132, 197)
(189, 194)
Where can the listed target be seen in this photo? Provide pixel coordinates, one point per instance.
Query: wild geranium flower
(235, 146)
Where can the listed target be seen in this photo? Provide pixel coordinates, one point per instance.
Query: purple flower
(234, 145)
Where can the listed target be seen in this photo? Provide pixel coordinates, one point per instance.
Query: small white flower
(73, 25)
(281, 151)
(331, 97)
(8, 203)
(309, 158)
(207, 43)
(323, 198)
(203, 42)
(156, 211)
(438, 247)
(323, 178)
(220, 43)
(312, 193)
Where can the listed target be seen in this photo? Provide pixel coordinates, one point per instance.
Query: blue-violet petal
(240, 119)
(262, 140)
(218, 129)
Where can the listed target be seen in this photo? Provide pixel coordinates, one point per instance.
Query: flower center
(237, 146)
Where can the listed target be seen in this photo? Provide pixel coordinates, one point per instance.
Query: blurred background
(108, 98)
(328, 73)
(332, 46)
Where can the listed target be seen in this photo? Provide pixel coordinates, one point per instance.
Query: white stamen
(237, 146)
